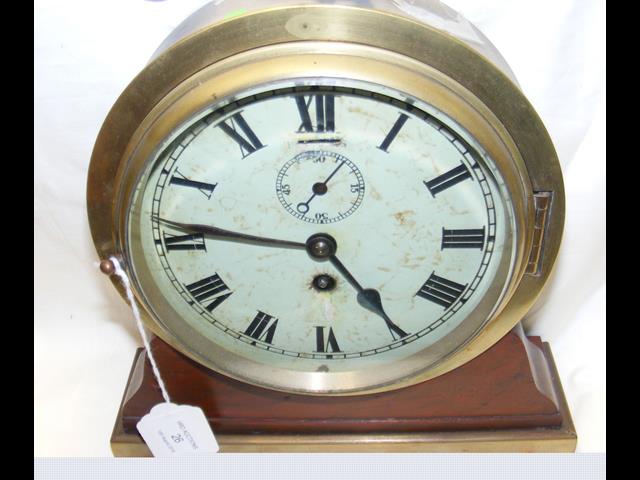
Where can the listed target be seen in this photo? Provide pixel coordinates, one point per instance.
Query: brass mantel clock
(328, 199)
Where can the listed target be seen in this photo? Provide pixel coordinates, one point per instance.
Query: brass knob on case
(107, 267)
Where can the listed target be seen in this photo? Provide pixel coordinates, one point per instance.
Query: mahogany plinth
(508, 394)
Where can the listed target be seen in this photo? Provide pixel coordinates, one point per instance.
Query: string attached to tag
(136, 313)
(168, 429)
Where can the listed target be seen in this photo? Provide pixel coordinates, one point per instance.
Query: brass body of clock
(330, 202)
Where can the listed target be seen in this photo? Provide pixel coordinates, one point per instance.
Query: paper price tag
(172, 430)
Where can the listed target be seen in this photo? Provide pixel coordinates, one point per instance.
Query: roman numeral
(194, 241)
(393, 133)
(211, 289)
(331, 344)
(441, 291)
(448, 179)
(262, 327)
(206, 188)
(324, 110)
(469, 238)
(396, 332)
(248, 143)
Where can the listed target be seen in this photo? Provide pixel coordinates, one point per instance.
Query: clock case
(507, 399)
(452, 67)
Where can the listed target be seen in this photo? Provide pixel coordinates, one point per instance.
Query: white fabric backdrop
(85, 54)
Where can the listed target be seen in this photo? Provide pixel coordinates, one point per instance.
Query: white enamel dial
(419, 215)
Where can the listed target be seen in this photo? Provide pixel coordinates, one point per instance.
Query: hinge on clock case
(542, 204)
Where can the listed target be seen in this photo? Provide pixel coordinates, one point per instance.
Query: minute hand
(215, 232)
(368, 298)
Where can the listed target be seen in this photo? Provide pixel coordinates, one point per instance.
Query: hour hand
(323, 247)
(222, 234)
(369, 298)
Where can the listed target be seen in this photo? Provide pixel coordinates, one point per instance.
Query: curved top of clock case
(340, 25)
(429, 12)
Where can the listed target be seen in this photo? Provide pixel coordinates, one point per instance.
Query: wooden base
(509, 399)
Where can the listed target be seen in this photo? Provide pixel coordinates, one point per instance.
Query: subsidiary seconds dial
(320, 186)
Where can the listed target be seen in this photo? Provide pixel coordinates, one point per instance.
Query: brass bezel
(486, 102)
(312, 60)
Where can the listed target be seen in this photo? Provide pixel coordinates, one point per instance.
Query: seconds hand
(318, 189)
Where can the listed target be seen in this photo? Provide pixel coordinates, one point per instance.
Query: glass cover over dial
(322, 228)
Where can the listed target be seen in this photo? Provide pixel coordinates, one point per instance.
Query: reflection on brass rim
(487, 104)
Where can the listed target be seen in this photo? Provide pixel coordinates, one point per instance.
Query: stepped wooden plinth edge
(508, 399)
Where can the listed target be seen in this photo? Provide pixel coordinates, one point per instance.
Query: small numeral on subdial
(248, 143)
(441, 291)
(211, 289)
(328, 345)
(262, 327)
(465, 238)
(448, 179)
